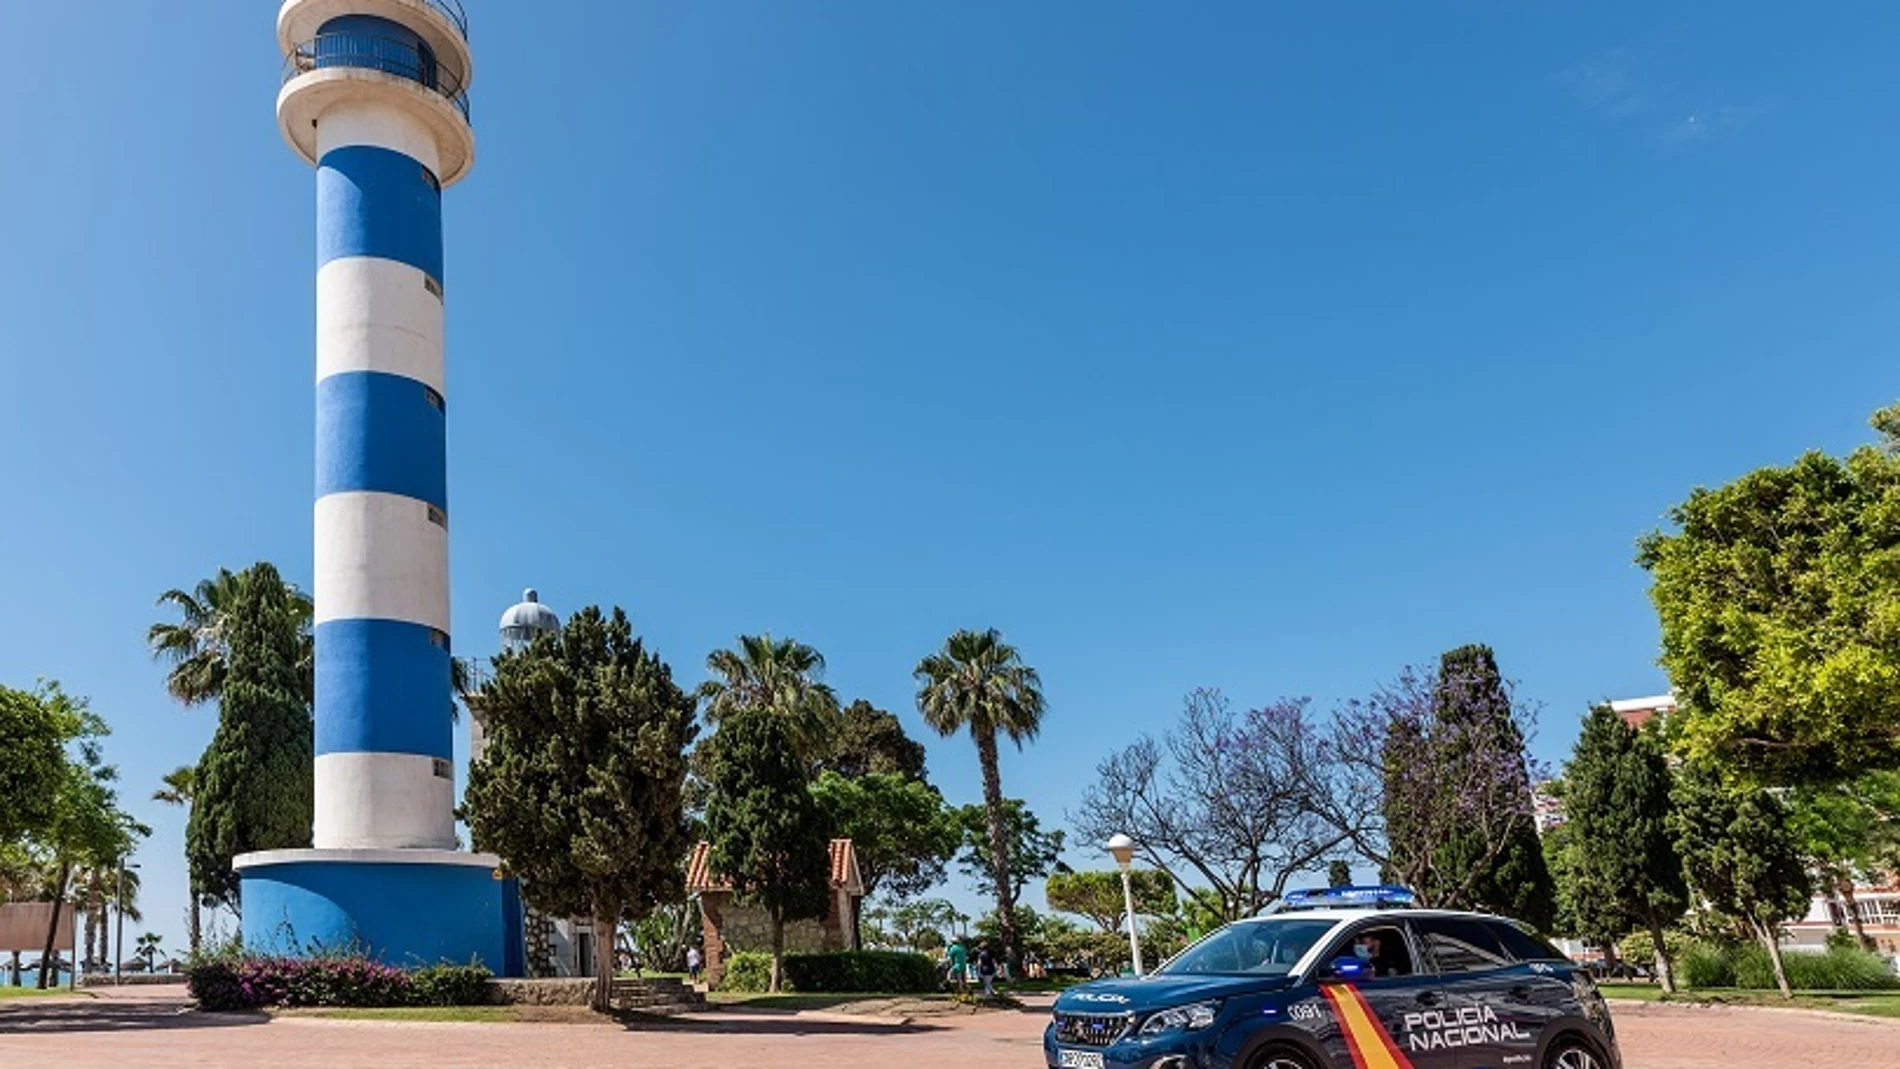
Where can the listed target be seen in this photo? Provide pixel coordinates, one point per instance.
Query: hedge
(856, 971)
(1749, 967)
(224, 984)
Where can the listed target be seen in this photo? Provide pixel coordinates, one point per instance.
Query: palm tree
(779, 676)
(148, 950)
(979, 682)
(195, 646)
(178, 790)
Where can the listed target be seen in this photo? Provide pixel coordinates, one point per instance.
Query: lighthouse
(375, 98)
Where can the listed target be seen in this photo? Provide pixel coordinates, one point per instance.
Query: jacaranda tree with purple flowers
(1218, 803)
(1428, 780)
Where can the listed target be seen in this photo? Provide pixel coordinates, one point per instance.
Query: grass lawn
(29, 992)
(1867, 1003)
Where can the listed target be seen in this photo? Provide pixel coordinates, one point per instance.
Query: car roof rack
(1379, 896)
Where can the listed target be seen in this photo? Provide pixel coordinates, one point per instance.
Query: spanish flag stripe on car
(1371, 1045)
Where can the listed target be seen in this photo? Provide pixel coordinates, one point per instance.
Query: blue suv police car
(1347, 978)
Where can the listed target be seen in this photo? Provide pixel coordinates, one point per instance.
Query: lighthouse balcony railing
(386, 54)
(452, 10)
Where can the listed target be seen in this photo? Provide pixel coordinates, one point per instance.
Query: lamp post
(118, 950)
(1123, 849)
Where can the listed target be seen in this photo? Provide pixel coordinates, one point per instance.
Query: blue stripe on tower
(373, 201)
(382, 687)
(382, 433)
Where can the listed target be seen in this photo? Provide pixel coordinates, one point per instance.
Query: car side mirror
(1345, 968)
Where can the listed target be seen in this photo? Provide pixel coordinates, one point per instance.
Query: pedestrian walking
(693, 962)
(959, 966)
(986, 969)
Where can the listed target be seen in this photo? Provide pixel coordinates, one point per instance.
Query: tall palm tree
(178, 790)
(979, 682)
(783, 677)
(195, 646)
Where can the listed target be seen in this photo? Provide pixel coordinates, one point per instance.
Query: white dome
(521, 623)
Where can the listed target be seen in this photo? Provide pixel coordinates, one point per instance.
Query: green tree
(1029, 852)
(197, 646)
(1585, 909)
(36, 727)
(979, 683)
(1849, 831)
(766, 831)
(868, 740)
(580, 789)
(1740, 855)
(1779, 598)
(900, 828)
(253, 786)
(86, 828)
(783, 678)
(176, 790)
(1617, 804)
(1098, 895)
(1339, 873)
(1477, 863)
(148, 950)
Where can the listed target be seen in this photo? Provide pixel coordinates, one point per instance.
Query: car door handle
(1521, 992)
(1428, 998)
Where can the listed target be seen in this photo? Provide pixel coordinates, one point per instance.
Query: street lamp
(118, 953)
(1123, 849)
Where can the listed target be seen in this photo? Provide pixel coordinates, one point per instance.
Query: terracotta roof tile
(844, 869)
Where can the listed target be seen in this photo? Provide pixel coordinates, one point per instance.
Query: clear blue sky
(1261, 346)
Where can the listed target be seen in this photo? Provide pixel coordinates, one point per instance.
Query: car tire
(1284, 1058)
(1569, 1053)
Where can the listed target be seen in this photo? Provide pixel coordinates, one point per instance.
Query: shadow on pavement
(102, 1015)
(756, 1023)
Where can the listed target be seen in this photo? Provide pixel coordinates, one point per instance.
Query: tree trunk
(1767, 934)
(49, 968)
(1665, 968)
(999, 850)
(606, 923)
(778, 952)
(94, 899)
(13, 970)
(1846, 888)
(196, 929)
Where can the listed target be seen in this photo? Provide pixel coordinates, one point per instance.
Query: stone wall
(563, 992)
(734, 929)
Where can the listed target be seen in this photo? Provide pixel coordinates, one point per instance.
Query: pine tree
(767, 833)
(1486, 855)
(1617, 802)
(580, 790)
(255, 782)
(1740, 855)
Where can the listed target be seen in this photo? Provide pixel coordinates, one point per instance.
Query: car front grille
(1092, 1029)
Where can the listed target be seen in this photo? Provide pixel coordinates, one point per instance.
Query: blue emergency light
(1380, 896)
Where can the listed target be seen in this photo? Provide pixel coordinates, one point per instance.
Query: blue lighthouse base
(407, 908)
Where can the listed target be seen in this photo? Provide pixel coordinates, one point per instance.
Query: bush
(881, 971)
(1639, 949)
(1749, 967)
(449, 985)
(225, 984)
(749, 971)
(1703, 965)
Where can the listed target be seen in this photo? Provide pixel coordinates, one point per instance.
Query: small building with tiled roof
(730, 928)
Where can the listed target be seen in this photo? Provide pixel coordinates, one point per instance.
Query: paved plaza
(144, 1028)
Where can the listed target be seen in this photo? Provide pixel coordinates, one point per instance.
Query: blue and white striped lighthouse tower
(375, 97)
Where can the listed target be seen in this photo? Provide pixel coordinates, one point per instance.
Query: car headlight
(1188, 1018)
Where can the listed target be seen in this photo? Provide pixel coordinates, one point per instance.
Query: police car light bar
(1382, 896)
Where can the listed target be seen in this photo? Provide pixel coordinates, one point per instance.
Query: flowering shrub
(224, 984)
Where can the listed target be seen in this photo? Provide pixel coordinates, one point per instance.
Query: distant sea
(30, 975)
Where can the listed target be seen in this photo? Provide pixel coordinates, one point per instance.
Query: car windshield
(1268, 947)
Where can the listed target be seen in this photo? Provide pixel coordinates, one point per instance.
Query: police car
(1344, 978)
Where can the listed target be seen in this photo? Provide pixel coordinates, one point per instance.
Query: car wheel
(1282, 1058)
(1573, 1054)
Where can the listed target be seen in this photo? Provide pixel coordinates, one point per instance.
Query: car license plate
(1079, 1059)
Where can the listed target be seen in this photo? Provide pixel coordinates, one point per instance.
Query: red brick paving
(147, 1028)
